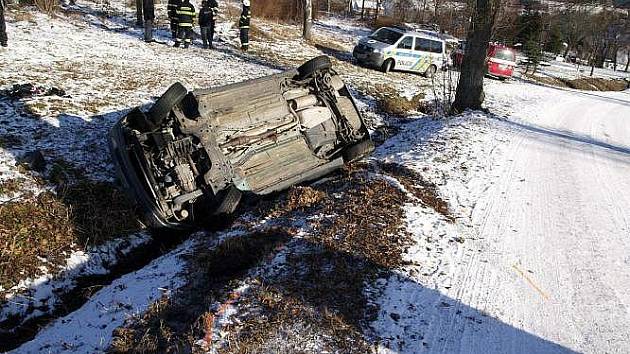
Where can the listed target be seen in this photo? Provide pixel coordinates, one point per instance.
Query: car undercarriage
(196, 153)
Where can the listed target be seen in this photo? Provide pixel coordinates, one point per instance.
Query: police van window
(406, 43)
(436, 46)
(423, 45)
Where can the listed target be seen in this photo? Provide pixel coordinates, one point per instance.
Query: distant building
(368, 5)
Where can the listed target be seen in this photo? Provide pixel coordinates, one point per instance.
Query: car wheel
(164, 104)
(307, 69)
(230, 201)
(358, 151)
(387, 66)
(431, 70)
(138, 120)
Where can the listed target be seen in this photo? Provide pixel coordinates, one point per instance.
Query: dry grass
(284, 10)
(390, 101)
(21, 14)
(585, 83)
(315, 295)
(422, 189)
(11, 186)
(40, 231)
(173, 324)
(41, 227)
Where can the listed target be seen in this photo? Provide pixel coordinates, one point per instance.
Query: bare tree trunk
(139, 19)
(378, 7)
(308, 19)
(362, 9)
(627, 60)
(470, 93)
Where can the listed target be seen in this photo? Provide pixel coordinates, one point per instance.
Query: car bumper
(134, 180)
(368, 57)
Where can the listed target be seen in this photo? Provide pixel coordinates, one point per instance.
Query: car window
(436, 46)
(504, 54)
(386, 35)
(423, 45)
(406, 43)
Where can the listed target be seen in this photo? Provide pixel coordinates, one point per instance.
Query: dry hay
(315, 294)
(584, 83)
(41, 230)
(390, 101)
(422, 189)
(174, 323)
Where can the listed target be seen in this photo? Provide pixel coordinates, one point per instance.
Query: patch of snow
(35, 297)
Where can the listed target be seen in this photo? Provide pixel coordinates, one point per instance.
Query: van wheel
(164, 104)
(387, 66)
(307, 69)
(431, 70)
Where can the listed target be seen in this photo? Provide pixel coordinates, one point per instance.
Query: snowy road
(557, 224)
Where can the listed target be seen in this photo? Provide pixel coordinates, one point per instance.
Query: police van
(392, 48)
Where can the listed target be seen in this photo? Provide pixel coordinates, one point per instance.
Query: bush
(283, 10)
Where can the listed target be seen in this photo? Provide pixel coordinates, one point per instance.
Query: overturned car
(194, 154)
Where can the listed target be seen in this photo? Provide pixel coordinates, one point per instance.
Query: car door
(405, 57)
(437, 53)
(422, 49)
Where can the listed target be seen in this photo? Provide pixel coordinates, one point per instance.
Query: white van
(391, 48)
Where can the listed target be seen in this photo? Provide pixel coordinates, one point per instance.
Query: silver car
(194, 154)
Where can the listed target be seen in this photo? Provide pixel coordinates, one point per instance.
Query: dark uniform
(148, 10)
(243, 23)
(3, 26)
(207, 14)
(172, 16)
(185, 17)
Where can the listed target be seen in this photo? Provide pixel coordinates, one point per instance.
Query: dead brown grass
(80, 213)
(585, 83)
(11, 186)
(284, 10)
(391, 102)
(173, 324)
(357, 233)
(41, 227)
(422, 189)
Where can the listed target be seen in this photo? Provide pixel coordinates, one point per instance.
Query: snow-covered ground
(535, 261)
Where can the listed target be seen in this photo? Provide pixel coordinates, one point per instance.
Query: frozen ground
(536, 260)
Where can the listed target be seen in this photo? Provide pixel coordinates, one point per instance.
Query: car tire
(138, 120)
(230, 201)
(431, 70)
(387, 66)
(358, 151)
(164, 104)
(307, 69)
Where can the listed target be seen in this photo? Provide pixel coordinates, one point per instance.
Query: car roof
(418, 33)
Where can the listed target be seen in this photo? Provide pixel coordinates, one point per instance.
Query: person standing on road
(172, 16)
(207, 14)
(149, 16)
(3, 26)
(185, 17)
(244, 23)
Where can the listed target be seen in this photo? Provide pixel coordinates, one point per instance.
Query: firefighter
(172, 16)
(207, 15)
(185, 17)
(243, 23)
(148, 10)
(3, 26)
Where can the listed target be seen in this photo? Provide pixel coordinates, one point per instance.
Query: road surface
(557, 229)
